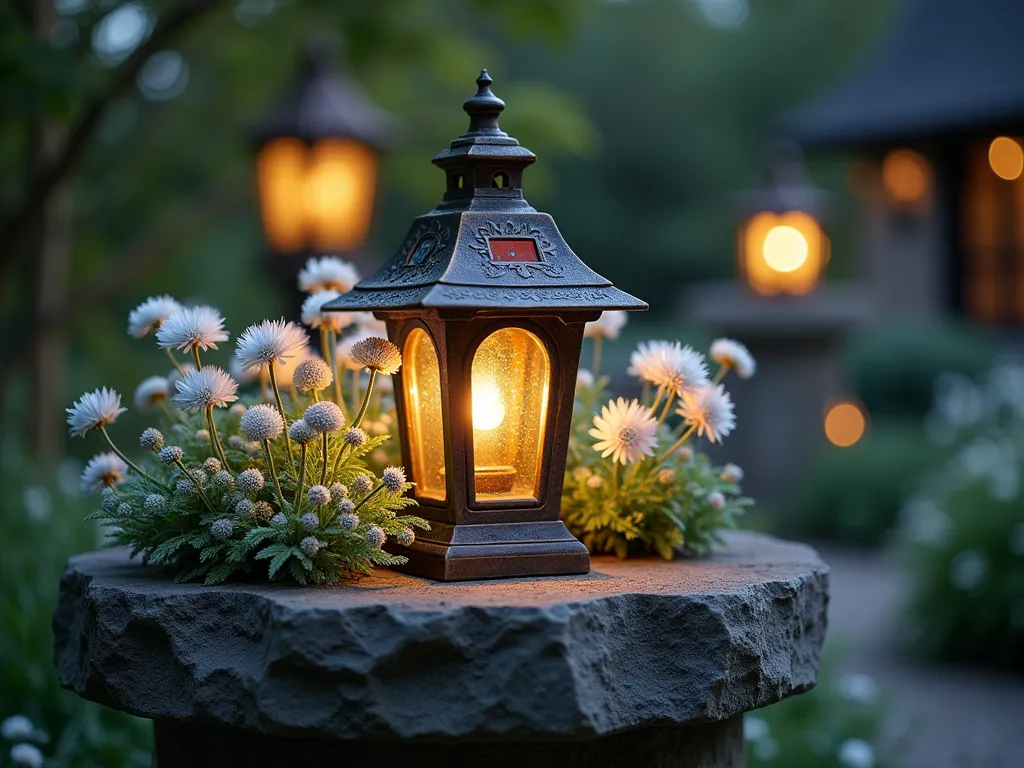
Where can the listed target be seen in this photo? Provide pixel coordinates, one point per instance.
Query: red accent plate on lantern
(513, 249)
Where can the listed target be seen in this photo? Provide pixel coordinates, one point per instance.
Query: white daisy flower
(710, 409)
(92, 410)
(315, 318)
(731, 354)
(192, 327)
(670, 365)
(625, 430)
(607, 326)
(104, 470)
(327, 273)
(150, 315)
(151, 392)
(202, 389)
(270, 341)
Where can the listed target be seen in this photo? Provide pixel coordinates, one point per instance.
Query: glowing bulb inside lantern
(488, 410)
(785, 248)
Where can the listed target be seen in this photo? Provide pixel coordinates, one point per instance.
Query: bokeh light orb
(1006, 158)
(845, 423)
(785, 248)
(906, 176)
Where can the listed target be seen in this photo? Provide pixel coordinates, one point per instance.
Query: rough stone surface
(634, 643)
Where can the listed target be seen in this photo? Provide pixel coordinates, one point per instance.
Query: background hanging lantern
(782, 244)
(317, 161)
(487, 303)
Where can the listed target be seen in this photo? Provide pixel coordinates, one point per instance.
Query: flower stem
(366, 399)
(331, 349)
(273, 473)
(355, 389)
(174, 361)
(676, 445)
(167, 411)
(720, 375)
(195, 355)
(297, 504)
(323, 467)
(597, 356)
(129, 462)
(664, 411)
(216, 438)
(280, 407)
(198, 487)
(369, 496)
(657, 399)
(615, 480)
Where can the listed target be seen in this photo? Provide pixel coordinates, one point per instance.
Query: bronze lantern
(487, 303)
(782, 246)
(317, 158)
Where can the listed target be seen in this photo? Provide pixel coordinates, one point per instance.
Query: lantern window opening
(510, 384)
(421, 380)
(500, 180)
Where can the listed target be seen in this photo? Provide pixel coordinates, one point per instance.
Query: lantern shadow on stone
(487, 303)
(783, 248)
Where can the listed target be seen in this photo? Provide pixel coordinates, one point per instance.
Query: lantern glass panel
(510, 385)
(280, 177)
(783, 253)
(422, 380)
(338, 193)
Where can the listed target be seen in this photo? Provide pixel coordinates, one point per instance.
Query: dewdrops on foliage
(150, 315)
(261, 422)
(376, 354)
(94, 410)
(192, 328)
(608, 326)
(250, 481)
(624, 430)
(312, 375)
(732, 355)
(104, 470)
(323, 417)
(393, 479)
(206, 388)
(271, 341)
(318, 495)
(710, 410)
(327, 273)
(151, 439)
(151, 392)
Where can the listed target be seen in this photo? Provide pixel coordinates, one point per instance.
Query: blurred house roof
(945, 67)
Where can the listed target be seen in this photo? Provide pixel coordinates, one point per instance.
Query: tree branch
(17, 223)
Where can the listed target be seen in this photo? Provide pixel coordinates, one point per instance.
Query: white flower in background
(670, 365)
(595, 482)
(104, 470)
(17, 728)
(151, 392)
(625, 430)
(710, 410)
(314, 317)
(584, 379)
(959, 400)
(716, 500)
(856, 753)
(732, 473)
(607, 326)
(732, 355)
(150, 315)
(26, 756)
(261, 422)
(94, 409)
(192, 327)
(270, 341)
(858, 688)
(667, 476)
(240, 374)
(327, 273)
(370, 325)
(209, 387)
(377, 354)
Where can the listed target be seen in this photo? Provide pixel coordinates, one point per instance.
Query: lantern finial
(484, 108)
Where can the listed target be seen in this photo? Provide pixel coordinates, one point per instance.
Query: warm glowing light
(783, 253)
(509, 384)
(844, 424)
(785, 249)
(316, 197)
(906, 176)
(1006, 158)
(421, 377)
(488, 410)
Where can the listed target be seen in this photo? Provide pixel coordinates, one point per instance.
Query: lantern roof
(325, 103)
(785, 186)
(484, 247)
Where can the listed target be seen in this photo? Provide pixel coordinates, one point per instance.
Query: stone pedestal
(640, 662)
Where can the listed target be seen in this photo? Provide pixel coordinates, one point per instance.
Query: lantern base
(494, 551)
